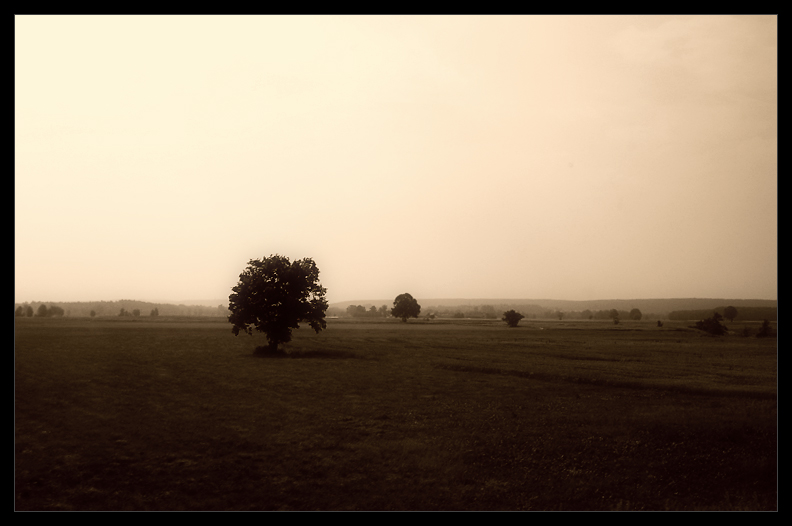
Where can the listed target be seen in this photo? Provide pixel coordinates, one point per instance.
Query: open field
(178, 414)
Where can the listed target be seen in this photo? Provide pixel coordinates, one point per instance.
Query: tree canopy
(274, 295)
(512, 317)
(405, 306)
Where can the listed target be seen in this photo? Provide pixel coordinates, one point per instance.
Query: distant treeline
(114, 308)
(743, 314)
(495, 312)
(653, 309)
(359, 311)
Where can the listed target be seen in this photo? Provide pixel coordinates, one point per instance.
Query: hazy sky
(563, 157)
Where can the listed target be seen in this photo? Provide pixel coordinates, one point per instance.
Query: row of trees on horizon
(493, 312)
(115, 308)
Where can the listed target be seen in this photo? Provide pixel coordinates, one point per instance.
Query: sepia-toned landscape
(396, 263)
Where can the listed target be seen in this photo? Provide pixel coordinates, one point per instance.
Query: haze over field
(564, 157)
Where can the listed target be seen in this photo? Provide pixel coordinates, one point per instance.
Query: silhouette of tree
(512, 317)
(405, 306)
(274, 295)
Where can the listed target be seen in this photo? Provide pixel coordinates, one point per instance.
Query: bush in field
(512, 317)
(19, 312)
(28, 311)
(405, 306)
(93, 313)
(730, 313)
(712, 325)
(636, 314)
(42, 311)
(766, 331)
(274, 295)
(659, 323)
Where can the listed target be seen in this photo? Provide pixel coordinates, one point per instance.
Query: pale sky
(558, 157)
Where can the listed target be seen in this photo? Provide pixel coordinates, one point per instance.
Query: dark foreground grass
(180, 415)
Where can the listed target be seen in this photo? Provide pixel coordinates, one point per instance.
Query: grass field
(178, 414)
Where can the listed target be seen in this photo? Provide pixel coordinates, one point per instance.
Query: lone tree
(730, 313)
(512, 317)
(405, 306)
(274, 296)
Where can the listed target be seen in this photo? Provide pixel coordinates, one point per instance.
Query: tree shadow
(266, 352)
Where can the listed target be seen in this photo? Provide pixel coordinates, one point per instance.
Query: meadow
(178, 414)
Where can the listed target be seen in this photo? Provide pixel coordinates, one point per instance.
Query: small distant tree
(42, 311)
(659, 323)
(28, 311)
(93, 313)
(560, 315)
(636, 314)
(155, 311)
(19, 312)
(136, 312)
(613, 314)
(405, 306)
(730, 313)
(512, 317)
(55, 311)
(123, 312)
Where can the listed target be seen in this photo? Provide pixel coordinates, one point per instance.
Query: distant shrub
(512, 317)
(712, 325)
(659, 323)
(766, 331)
